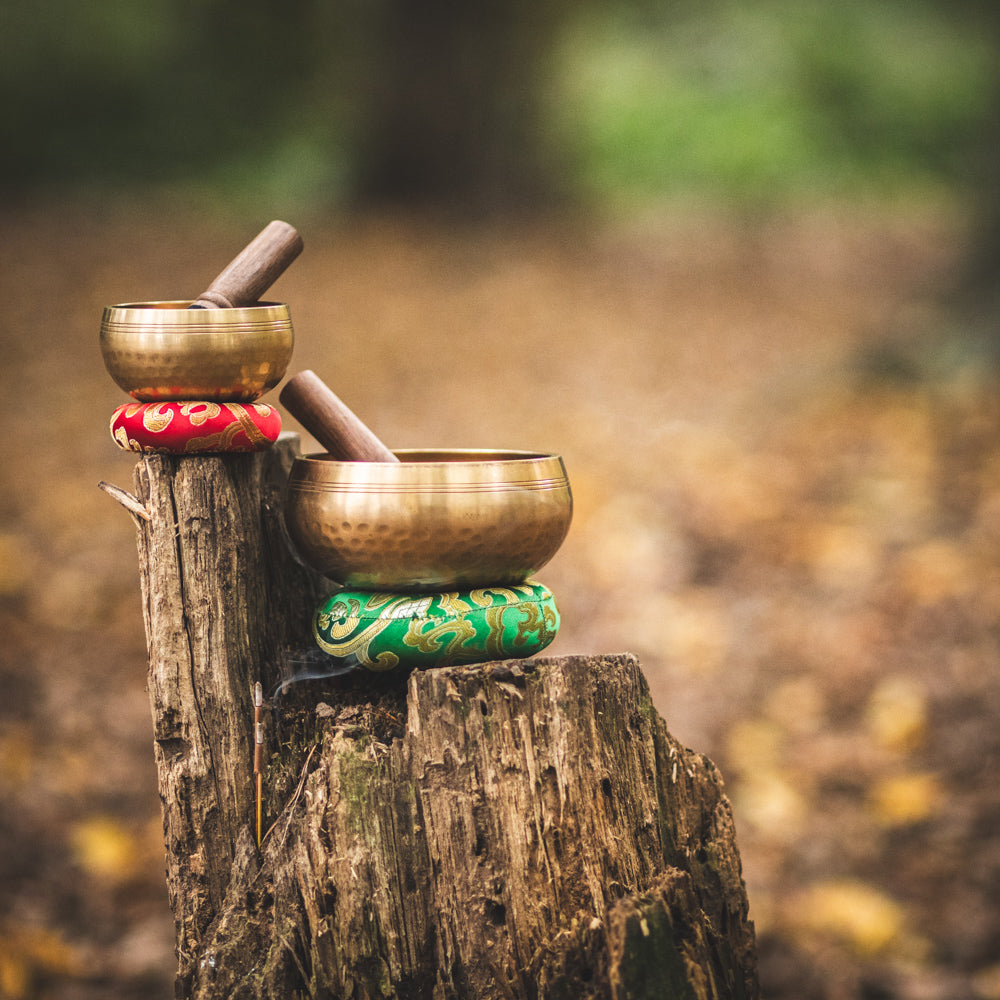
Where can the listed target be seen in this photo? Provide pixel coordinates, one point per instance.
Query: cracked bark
(517, 829)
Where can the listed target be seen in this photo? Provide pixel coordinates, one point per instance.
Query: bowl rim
(172, 317)
(442, 470)
(444, 457)
(166, 306)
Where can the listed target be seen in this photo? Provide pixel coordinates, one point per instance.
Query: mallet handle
(338, 430)
(256, 268)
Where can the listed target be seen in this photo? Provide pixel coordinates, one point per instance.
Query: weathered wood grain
(517, 829)
(214, 624)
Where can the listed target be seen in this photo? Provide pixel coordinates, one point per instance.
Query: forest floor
(795, 529)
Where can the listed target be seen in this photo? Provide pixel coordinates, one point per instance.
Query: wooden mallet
(305, 395)
(330, 421)
(257, 267)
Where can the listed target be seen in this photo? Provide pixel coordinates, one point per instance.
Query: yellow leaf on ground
(775, 809)
(906, 798)
(25, 951)
(897, 713)
(15, 974)
(754, 745)
(105, 848)
(861, 916)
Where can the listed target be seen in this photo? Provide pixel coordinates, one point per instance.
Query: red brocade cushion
(194, 428)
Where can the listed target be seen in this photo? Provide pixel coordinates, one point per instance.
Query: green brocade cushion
(381, 631)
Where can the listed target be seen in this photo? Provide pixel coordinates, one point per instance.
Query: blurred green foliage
(759, 101)
(776, 99)
(117, 93)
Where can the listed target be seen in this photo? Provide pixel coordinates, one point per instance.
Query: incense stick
(258, 752)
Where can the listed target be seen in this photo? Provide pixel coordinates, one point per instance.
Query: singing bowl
(161, 351)
(436, 520)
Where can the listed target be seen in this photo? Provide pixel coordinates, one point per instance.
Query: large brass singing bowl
(163, 350)
(438, 520)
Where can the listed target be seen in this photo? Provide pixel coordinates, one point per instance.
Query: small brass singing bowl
(160, 351)
(437, 520)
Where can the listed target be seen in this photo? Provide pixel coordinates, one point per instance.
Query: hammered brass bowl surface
(439, 520)
(159, 351)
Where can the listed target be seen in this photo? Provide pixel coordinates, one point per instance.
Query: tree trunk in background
(973, 298)
(516, 829)
(982, 285)
(453, 116)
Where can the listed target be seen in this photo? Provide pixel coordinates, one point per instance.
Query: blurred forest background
(736, 262)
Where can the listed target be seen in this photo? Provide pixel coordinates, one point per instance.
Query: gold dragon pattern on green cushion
(382, 631)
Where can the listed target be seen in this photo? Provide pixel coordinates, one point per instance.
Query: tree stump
(515, 829)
